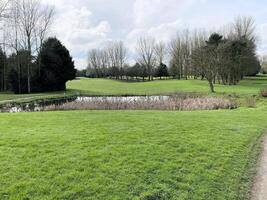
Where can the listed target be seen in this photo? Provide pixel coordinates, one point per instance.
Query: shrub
(264, 92)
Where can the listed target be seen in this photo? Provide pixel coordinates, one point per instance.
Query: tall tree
(33, 22)
(207, 58)
(117, 54)
(57, 66)
(146, 54)
(162, 71)
(160, 51)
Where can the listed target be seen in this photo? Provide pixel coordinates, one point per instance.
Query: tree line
(223, 57)
(30, 61)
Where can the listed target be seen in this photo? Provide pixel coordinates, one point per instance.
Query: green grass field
(132, 154)
(112, 87)
(129, 154)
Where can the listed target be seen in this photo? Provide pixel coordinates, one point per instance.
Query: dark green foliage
(18, 71)
(3, 70)
(215, 39)
(252, 66)
(225, 60)
(162, 71)
(136, 71)
(114, 72)
(56, 66)
(50, 72)
(81, 73)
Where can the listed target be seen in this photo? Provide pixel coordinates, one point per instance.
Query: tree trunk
(211, 86)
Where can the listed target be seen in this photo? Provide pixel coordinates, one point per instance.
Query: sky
(82, 25)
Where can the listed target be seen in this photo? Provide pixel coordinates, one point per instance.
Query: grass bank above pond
(250, 86)
(128, 154)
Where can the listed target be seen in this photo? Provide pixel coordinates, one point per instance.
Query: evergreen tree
(56, 66)
(162, 71)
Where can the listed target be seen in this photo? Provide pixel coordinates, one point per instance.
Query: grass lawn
(129, 154)
(112, 87)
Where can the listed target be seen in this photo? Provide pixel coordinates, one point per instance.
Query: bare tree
(244, 27)
(186, 52)
(198, 40)
(41, 29)
(263, 62)
(205, 58)
(94, 62)
(122, 53)
(160, 51)
(180, 51)
(14, 41)
(104, 61)
(42, 26)
(4, 63)
(117, 54)
(176, 54)
(34, 21)
(146, 54)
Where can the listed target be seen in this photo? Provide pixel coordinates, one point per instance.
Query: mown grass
(249, 86)
(128, 154)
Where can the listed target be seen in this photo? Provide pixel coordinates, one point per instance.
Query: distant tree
(212, 61)
(207, 57)
(252, 66)
(94, 64)
(147, 55)
(180, 52)
(18, 71)
(114, 72)
(130, 72)
(81, 73)
(162, 71)
(160, 51)
(57, 66)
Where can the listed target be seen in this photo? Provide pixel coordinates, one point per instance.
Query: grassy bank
(250, 86)
(128, 154)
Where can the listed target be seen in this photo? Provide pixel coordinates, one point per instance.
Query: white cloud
(85, 24)
(262, 39)
(75, 28)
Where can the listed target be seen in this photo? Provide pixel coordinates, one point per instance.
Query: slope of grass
(10, 97)
(128, 154)
(112, 87)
